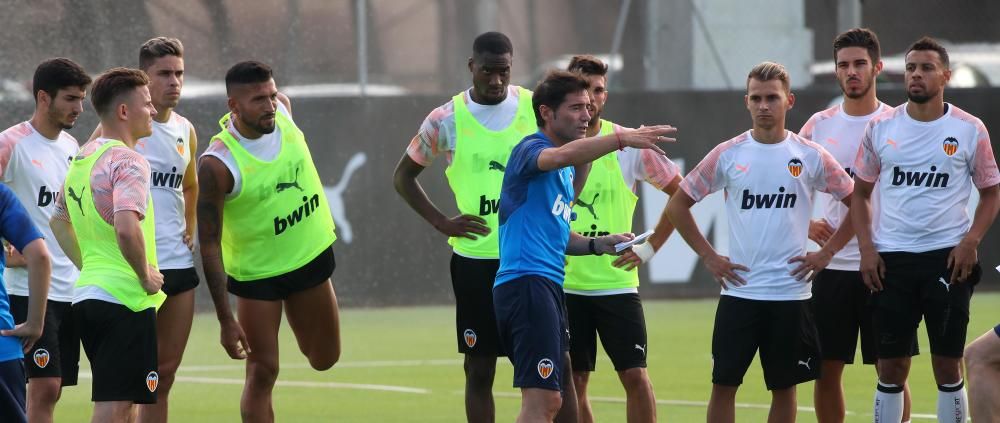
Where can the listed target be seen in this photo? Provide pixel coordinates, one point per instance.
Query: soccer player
(920, 257)
(34, 158)
(18, 229)
(535, 236)
(840, 298)
(106, 229)
(475, 130)
(266, 233)
(602, 296)
(982, 357)
(769, 176)
(169, 151)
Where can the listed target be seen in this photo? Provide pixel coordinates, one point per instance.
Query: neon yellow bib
(103, 263)
(280, 220)
(476, 171)
(604, 206)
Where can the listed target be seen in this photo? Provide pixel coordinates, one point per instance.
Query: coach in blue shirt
(536, 205)
(16, 228)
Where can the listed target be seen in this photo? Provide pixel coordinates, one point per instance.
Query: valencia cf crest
(795, 167)
(152, 381)
(41, 358)
(180, 146)
(545, 368)
(470, 337)
(950, 146)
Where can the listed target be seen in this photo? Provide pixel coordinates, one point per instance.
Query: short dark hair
(587, 65)
(112, 84)
(159, 47)
(492, 42)
(55, 74)
(247, 72)
(859, 37)
(553, 89)
(928, 43)
(770, 71)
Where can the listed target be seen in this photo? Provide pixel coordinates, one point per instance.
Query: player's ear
(791, 100)
(231, 103)
(470, 64)
(546, 112)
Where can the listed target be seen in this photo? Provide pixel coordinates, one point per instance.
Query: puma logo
(947, 286)
(281, 186)
(806, 363)
(495, 165)
(335, 196)
(590, 207)
(641, 348)
(77, 198)
(892, 143)
(742, 168)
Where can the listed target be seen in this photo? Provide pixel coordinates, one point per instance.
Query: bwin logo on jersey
(795, 167)
(768, 201)
(932, 179)
(950, 146)
(561, 208)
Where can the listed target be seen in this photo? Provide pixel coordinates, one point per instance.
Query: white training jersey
(840, 134)
(265, 148)
(168, 151)
(924, 173)
(768, 198)
(35, 167)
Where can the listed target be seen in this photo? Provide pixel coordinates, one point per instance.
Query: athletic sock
(888, 403)
(953, 403)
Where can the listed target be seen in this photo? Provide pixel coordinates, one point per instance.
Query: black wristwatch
(594, 250)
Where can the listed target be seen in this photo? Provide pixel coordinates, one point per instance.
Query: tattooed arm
(214, 182)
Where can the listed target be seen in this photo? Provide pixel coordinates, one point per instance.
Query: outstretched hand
(646, 137)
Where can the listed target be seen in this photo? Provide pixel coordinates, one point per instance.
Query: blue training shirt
(535, 211)
(16, 227)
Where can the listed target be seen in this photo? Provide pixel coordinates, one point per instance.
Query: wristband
(645, 251)
(593, 250)
(621, 147)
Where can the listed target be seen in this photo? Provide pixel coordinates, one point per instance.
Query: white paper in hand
(621, 246)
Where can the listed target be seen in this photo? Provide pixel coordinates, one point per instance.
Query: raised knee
(324, 363)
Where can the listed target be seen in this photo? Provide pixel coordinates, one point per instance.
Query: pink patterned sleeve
(832, 179)
(984, 164)
(61, 212)
(129, 180)
(657, 169)
(429, 141)
(808, 128)
(707, 177)
(868, 164)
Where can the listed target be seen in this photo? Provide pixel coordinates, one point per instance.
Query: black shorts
(784, 332)
(916, 286)
(57, 352)
(475, 321)
(176, 281)
(619, 321)
(121, 347)
(13, 407)
(531, 319)
(282, 286)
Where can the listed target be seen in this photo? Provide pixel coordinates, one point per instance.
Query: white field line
(348, 364)
(295, 384)
(703, 404)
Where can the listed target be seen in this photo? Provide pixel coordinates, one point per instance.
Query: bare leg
(539, 405)
(580, 380)
(260, 321)
(114, 412)
(828, 393)
(722, 404)
(315, 320)
(43, 393)
(982, 357)
(480, 371)
(783, 406)
(640, 403)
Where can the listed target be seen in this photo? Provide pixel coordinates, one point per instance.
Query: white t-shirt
(168, 151)
(265, 148)
(840, 134)
(437, 133)
(768, 195)
(35, 167)
(924, 172)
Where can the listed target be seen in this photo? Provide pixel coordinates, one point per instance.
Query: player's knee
(634, 379)
(580, 380)
(480, 371)
(261, 373)
(893, 371)
(45, 390)
(324, 361)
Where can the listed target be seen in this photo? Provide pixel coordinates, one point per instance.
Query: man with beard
(34, 159)
(920, 258)
(602, 296)
(535, 238)
(267, 235)
(840, 297)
